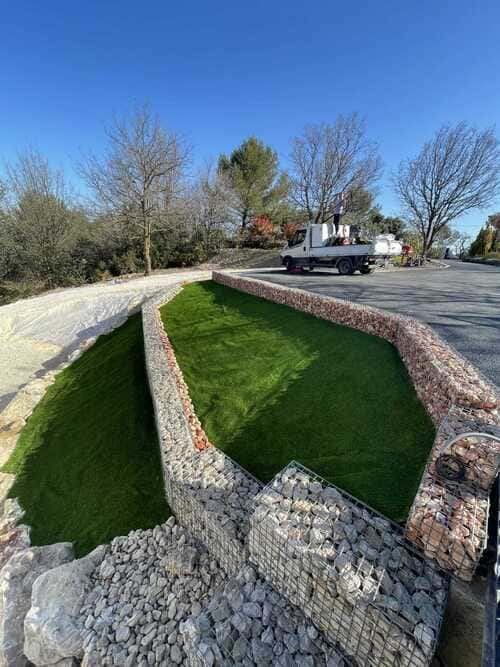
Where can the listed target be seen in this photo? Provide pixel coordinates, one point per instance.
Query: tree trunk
(147, 253)
(427, 241)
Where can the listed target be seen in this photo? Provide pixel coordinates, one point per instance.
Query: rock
(53, 626)
(241, 622)
(122, 634)
(262, 653)
(424, 635)
(181, 561)
(221, 611)
(12, 513)
(239, 650)
(176, 654)
(16, 582)
(252, 609)
(12, 541)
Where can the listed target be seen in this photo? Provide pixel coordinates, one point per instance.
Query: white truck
(330, 245)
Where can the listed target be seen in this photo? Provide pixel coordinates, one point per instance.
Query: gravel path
(38, 334)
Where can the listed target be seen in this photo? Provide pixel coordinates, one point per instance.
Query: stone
(16, 581)
(239, 650)
(262, 653)
(53, 625)
(221, 611)
(176, 654)
(424, 635)
(252, 609)
(122, 634)
(241, 622)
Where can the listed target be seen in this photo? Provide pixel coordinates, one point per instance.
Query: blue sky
(219, 71)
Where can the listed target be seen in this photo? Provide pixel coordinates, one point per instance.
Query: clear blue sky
(219, 71)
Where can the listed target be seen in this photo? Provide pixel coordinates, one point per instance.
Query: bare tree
(31, 174)
(212, 202)
(457, 171)
(138, 176)
(328, 160)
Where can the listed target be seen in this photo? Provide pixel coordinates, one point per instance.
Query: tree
(253, 173)
(457, 171)
(209, 206)
(329, 160)
(494, 221)
(138, 176)
(462, 243)
(41, 221)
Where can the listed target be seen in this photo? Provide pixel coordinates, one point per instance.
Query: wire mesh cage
(449, 516)
(211, 496)
(250, 623)
(351, 570)
(471, 440)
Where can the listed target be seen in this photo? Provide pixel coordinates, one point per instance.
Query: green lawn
(87, 462)
(271, 384)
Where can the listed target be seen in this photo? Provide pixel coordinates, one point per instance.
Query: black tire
(290, 264)
(310, 268)
(365, 270)
(345, 267)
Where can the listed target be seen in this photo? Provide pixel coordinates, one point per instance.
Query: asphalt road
(461, 302)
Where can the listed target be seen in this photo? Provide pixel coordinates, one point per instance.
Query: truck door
(299, 245)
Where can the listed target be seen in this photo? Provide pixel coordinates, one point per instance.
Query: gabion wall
(370, 593)
(249, 623)
(447, 520)
(456, 534)
(208, 492)
(349, 569)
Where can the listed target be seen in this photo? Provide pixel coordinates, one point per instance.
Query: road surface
(461, 302)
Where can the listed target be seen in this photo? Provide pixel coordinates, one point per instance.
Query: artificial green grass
(87, 462)
(271, 384)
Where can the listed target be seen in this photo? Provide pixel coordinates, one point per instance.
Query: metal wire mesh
(274, 634)
(448, 518)
(478, 456)
(211, 496)
(351, 570)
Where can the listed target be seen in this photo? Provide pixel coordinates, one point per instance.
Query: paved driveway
(462, 302)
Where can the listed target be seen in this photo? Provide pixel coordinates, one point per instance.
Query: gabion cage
(211, 496)
(249, 623)
(351, 570)
(449, 516)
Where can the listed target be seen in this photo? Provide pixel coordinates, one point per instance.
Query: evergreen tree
(253, 173)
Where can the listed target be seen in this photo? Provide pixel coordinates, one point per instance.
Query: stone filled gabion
(148, 583)
(209, 493)
(249, 623)
(349, 569)
(448, 521)
(213, 495)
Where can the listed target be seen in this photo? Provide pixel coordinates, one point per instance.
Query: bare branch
(457, 171)
(139, 176)
(329, 159)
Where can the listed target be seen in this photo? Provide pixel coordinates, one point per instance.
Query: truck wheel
(345, 267)
(366, 270)
(290, 265)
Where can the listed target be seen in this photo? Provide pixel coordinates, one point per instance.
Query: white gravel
(37, 334)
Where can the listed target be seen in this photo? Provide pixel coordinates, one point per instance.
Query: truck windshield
(298, 237)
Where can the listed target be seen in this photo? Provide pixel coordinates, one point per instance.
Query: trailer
(332, 246)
